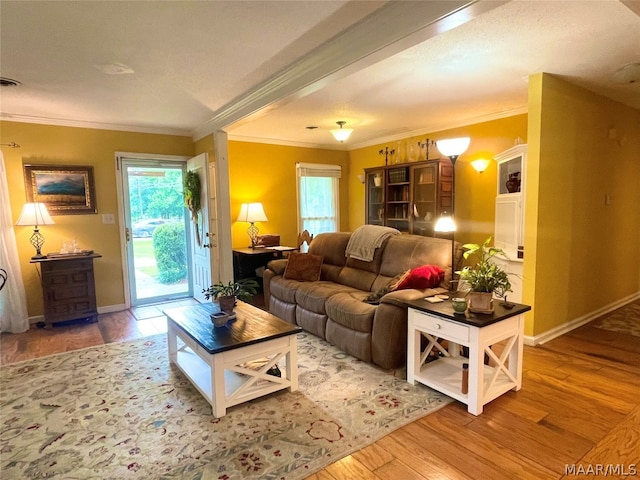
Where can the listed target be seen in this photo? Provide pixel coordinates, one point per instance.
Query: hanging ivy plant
(191, 186)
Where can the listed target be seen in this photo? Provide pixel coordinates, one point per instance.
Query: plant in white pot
(227, 293)
(485, 278)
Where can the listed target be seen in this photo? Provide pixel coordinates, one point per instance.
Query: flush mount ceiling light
(8, 82)
(628, 74)
(341, 134)
(115, 69)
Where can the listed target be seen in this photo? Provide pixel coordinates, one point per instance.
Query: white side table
(478, 332)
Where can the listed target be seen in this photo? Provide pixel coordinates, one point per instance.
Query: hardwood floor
(579, 408)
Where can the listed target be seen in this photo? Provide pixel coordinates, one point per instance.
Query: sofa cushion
(312, 296)
(425, 276)
(405, 252)
(350, 341)
(358, 279)
(284, 289)
(285, 311)
(349, 310)
(304, 267)
(331, 246)
(313, 322)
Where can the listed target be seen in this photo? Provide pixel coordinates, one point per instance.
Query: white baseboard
(112, 308)
(106, 309)
(578, 322)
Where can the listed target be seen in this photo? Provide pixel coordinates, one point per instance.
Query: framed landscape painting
(66, 190)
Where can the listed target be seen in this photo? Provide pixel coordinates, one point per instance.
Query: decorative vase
(513, 183)
(227, 303)
(401, 154)
(411, 151)
(481, 302)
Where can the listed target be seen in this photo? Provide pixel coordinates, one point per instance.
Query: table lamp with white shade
(35, 214)
(252, 212)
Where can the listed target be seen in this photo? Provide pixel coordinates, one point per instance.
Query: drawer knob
(438, 327)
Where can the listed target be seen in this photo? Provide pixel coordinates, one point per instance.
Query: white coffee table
(217, 360)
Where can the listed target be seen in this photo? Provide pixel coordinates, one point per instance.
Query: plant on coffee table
(227, 293)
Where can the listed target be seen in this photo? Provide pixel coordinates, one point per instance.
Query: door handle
(127, 234)
(213, 244)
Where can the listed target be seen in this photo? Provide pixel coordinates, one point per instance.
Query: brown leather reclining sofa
(333, 307)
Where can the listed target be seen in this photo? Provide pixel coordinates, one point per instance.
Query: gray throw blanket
(365, 239)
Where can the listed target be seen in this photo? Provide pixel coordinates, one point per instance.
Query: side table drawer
(439, 326)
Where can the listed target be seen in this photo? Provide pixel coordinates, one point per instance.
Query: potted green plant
(227, 293)
(485, 278)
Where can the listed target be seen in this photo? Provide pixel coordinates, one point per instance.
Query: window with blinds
(318, 197)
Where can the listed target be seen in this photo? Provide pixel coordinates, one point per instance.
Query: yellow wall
(581, 256)
(584, 254)
(44, 144)
(267, 173)
(475, 192)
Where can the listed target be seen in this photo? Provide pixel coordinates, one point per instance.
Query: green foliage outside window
(171, 252)
(156, 196)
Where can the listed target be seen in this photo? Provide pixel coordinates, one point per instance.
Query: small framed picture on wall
(66, 190)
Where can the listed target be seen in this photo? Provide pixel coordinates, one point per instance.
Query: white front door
(204, 254)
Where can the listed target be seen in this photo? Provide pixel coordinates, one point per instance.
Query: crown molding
(429, 129)
(59, 122)
(288, 143)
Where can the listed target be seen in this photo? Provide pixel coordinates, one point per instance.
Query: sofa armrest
(400, 297)
(277, 266)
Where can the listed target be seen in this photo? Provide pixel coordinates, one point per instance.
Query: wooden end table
(68, 287)
(479, 332)
(217, 361)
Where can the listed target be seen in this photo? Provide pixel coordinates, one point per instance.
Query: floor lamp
(452, 148)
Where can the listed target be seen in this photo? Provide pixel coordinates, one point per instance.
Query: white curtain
(13, 303)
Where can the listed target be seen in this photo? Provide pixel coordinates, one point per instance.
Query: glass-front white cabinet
(509, 219)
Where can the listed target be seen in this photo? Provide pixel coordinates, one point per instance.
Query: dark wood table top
(444, 309)
(55, 257)
(251, 326)
(264, 250)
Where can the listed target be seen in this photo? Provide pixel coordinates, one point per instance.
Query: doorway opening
(157, 237)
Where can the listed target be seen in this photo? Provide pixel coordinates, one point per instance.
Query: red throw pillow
(426, 276)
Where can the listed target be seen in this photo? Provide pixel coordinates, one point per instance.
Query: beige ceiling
(265, 70)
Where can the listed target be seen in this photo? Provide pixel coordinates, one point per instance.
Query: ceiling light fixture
(115, 69)
(9, 82)
(341, 134)
(628, 74)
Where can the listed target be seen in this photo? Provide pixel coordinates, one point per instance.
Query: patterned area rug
(121, 411)
(624, 320)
